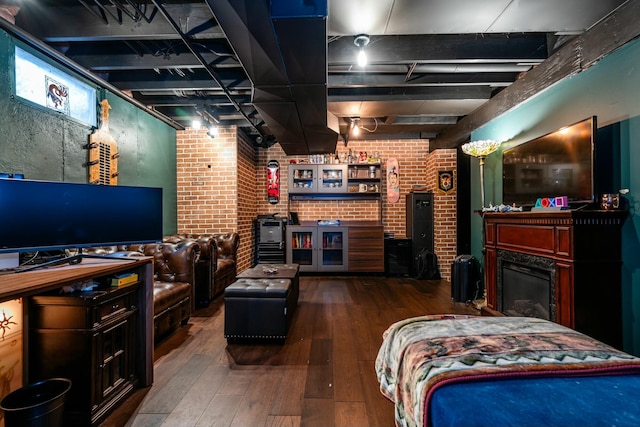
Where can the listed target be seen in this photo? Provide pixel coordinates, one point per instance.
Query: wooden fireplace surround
(586, 248)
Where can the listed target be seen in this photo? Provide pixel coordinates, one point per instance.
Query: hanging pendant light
(361, 41)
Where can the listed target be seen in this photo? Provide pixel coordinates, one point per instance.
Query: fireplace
(562, 264)
(526, 285)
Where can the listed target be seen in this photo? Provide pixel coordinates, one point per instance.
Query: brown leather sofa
(173, 284)
(220, 251)
(226, 260)
(205, 266)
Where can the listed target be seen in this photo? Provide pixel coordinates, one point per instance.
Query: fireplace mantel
(586, 249)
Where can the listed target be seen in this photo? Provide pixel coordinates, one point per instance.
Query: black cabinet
(419, 224)
(88, 337)
(398, 257)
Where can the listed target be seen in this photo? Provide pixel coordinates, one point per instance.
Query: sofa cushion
(166, 294)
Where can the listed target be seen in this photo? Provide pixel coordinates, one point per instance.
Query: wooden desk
(46, 281)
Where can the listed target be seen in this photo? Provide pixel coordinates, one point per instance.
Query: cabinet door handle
(115, 306)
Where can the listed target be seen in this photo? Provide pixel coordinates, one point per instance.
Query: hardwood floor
(322, 376)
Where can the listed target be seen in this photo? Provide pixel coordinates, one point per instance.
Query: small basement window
(43, 84)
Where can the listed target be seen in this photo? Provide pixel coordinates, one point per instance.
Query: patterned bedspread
(420, 354)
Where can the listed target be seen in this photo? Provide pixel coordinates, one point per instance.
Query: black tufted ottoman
(258, 309)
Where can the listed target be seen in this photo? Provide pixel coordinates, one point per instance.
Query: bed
(451, 370)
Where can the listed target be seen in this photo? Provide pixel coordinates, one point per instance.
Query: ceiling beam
(425, 120)
(440, 48)
(189, 119)
(196, 80)
(394, 136)
(218, 101)
(418, 93)
(337, 81)
(131, 61)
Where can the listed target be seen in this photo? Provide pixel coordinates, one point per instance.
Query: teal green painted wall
(45, 145)
(630, 178)
(609, 90)
(147, 148)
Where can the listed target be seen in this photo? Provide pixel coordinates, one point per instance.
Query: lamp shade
(481, 148)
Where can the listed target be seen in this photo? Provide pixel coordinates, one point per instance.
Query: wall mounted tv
(557, 164)
(43, 215)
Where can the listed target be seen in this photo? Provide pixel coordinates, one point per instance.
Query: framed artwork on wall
(446, 181)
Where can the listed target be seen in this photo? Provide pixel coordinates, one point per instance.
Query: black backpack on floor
(426, 265)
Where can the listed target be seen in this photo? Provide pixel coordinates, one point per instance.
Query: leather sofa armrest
(205, 242)
(227, 245)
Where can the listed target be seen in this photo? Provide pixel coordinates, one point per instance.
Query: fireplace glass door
(526, 291)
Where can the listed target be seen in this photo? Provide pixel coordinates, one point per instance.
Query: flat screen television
(45, 216)
(560, 163)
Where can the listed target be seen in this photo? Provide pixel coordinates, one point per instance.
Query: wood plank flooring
(322, 376)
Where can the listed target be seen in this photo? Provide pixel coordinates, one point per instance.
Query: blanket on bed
(420, 354)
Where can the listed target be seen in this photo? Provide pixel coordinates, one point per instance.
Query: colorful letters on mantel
(552, 202)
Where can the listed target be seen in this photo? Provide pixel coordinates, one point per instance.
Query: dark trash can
(36, 405)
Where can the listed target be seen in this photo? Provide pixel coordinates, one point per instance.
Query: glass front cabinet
(322, 248)
(310, 178)
(364, 179)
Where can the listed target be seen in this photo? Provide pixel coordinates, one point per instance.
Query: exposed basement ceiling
(286, 71)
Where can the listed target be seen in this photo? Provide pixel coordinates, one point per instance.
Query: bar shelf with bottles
(353, 177)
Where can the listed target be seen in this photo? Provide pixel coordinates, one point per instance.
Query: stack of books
(124, 279)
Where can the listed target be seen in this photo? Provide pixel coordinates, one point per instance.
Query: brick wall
(417, 167)
(247, 202)
(444, 210)
(216, 186)
(206, 174)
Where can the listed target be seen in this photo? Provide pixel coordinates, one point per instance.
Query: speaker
(419, 225)
(397, 257)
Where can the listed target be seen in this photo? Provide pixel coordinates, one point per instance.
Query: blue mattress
(596, 401)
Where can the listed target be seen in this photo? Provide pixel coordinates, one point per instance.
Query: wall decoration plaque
(446, 181)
